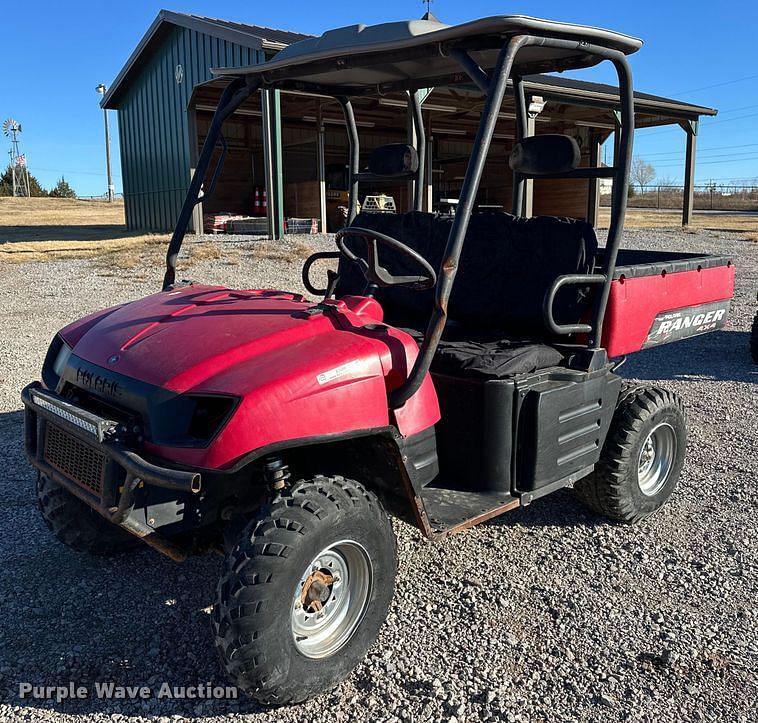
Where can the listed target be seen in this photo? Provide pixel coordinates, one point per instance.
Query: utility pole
(101, 90)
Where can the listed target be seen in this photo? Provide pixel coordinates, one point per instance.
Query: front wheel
(77, 525)
(305, 590)
(642, 456)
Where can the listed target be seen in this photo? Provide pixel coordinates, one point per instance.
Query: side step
(450, 511)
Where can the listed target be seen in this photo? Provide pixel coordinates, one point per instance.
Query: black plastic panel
(563, 419)
(474, 436)
(421, 452)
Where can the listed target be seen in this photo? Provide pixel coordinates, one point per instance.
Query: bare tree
(666, 182)
(642, 172)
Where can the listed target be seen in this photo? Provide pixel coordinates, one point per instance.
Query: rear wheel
(754, 339)
(77, 525)
(642, 456)
(305, 590)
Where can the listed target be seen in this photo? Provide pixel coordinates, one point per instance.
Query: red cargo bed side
(656, 303)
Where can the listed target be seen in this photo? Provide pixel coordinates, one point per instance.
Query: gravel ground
(547, 613)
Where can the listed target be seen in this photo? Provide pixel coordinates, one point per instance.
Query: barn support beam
(688, 202)
(272, 159)
(535, 107)
(321, 153)
(528, 209)
(429, 180)
(593, 189)
(193, 154)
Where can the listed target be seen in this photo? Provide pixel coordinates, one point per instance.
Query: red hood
(299, 370)
(181, 339)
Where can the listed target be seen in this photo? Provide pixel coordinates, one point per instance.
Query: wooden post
(321, 152)
(272, 158)
(531, 123)
(688, 202)
(593, 188)
(194, 152)
(412, 140)
(429, 194)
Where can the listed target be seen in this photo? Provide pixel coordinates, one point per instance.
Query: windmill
(19, 171)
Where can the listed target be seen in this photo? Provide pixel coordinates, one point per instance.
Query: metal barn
(291, 147)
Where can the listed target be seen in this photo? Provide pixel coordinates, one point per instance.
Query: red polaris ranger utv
(453, 368)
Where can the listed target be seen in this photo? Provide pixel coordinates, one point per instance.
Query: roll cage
(487, 52)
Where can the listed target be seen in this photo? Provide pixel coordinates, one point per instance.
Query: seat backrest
(507, 265)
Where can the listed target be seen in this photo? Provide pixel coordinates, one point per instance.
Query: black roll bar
(494, 98)
(472, 69)
(522, 120)
(452, 254)
(355, 154)
(418, 125)
(236, 93)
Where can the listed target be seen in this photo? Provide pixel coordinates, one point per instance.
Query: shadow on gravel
(718, 356)
(560, 508)
(136, 619)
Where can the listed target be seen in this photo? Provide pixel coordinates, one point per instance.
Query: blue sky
(696, 51)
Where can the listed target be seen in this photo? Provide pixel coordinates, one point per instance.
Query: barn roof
(256, 37)
(271, 39)
(609, 95)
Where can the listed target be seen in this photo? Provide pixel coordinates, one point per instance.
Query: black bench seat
(495, 321)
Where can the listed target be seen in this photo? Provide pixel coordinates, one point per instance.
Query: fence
(102, 197)
(706, 198)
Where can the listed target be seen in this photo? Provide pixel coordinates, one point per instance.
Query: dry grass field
(707, 221)
(33, 229)
(37, 228)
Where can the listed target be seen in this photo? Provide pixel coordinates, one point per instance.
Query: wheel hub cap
(657, 456)
(331, 599)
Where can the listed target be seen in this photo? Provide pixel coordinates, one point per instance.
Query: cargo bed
(658, 297)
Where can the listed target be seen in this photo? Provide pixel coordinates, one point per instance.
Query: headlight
(190, 420)
(55, 362)
(61, 359)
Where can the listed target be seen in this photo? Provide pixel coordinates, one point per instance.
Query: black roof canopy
(414, 52)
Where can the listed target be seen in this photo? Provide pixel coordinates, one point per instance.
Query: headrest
(394, 159)
(546, 154)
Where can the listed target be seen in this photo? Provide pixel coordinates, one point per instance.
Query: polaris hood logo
(97, 383)
(682, 323)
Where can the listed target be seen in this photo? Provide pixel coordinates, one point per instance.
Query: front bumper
(82, 452)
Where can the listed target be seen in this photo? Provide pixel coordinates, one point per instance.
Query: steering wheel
(374, 272)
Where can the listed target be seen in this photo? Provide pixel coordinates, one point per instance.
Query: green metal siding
(152, 124)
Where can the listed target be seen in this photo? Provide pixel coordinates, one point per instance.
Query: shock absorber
(276, 473)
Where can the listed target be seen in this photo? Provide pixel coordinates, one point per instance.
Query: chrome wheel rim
(656, 459)
(331, 599)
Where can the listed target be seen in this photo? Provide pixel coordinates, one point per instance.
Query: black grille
(74, 459)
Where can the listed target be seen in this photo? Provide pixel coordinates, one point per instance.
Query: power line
(703, 126)
(700, 150)
(727, 156)
(708, 163)
(734, 110)
(70, 172)
(716, 85)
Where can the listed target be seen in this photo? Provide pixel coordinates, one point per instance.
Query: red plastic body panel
(634, 303)
(298, 374)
